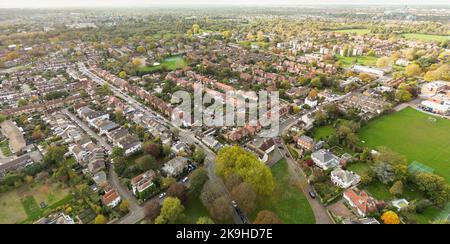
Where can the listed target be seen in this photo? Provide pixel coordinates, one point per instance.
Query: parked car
(185, 179)
(162, 195)
(312, 194)
(234, 204)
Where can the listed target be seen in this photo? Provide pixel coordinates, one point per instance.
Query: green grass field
(425, 37)
(193, 210)
(320, 133)
(172, 63)
(361, 60)
(354, 31)
(22, 204)
(411, 133)
(287, 201)
(4, 146)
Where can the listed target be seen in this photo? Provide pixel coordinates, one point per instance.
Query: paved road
(320, 212)
(88, 130)
(184, 135)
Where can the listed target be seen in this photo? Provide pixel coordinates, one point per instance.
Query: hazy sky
(115, 3)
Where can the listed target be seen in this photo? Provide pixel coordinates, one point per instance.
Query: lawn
(193, 210)
(354, 31)
(172, 63)
(411, 133)
(360, 60)
(359, 167)
(323, 132)
(287, 201)
(22, 204)
(425, 37)
(4, 146)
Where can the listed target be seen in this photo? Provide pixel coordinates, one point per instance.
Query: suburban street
(184, 135)
(136, 212)
(319, 210)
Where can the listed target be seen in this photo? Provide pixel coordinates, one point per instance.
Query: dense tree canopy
(235, 160)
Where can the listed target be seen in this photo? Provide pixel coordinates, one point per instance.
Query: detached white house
(344, 179)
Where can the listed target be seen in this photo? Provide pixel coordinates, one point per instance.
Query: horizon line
(172, 5)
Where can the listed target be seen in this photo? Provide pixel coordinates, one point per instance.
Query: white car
(185, 179)
(162, 195)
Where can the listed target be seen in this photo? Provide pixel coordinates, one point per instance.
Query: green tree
(403, 95)
(205, 221)
(147, 162)
(117, 152)
(195, 29)
(22, 102)
(397, 188)
(124, 206)
(171, 210)
(435, 187)
(316, 82)
(198, 179)
(123, 74)
(100, 219)
(389, 165)
(235, 160)
(2, 118)
(54, 155)
(140, 49)
(199, 155)
(383, 62)
(412, 70)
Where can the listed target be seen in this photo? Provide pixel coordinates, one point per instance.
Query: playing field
(425, 37)
(172, 63)
(413, 134)
(22, 204)
(360, 60)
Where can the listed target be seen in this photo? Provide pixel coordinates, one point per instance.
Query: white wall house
(344, 179)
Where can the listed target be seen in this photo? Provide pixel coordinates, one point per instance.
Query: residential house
(111, 198)
(268, 146)
(142, 182)
(344, 179)
(175, 167)
(115, 135)
(325, 159)
(130, 144)
(435, 87)
(306, 142)
(362, 202)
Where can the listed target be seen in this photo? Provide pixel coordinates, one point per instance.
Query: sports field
(360, 60)
(415, 135)
(425, 37)
(23, 204)
(172, 63)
